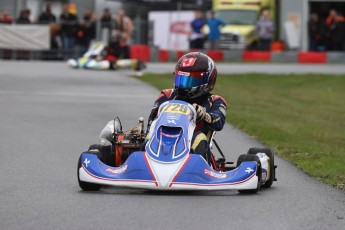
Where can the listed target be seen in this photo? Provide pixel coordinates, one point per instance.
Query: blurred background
(158, 29)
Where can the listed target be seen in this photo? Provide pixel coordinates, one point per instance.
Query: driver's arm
(217, 113)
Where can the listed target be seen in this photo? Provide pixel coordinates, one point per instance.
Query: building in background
(291, 16)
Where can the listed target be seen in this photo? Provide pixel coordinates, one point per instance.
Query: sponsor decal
(117, 171)
(172, 121)
(173, 116)
(180, 27)
(86, 162)
(183, 73)
(249, 170)
(215, 175)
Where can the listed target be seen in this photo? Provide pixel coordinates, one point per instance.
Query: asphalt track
(50, 114)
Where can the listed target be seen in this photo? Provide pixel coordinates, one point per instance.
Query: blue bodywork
(169, 144)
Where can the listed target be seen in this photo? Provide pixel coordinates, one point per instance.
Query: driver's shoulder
(168, 93)
(216, 98)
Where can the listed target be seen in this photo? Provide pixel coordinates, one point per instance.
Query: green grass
(301, 117)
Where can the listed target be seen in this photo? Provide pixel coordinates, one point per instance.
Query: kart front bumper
(191, 173)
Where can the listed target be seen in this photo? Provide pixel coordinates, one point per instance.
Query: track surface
(50, 114)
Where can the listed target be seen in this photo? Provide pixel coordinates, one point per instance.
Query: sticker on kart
(177, 108)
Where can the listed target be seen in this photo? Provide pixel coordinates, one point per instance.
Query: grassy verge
(301, 117)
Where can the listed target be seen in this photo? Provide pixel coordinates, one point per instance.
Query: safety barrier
(141, 52)
(154, 54)
(312, 57)
(254, 56)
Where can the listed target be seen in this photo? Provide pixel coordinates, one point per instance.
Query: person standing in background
(123, 26)
(86, 31)
(334, 31)
(214, 25)
(69, 24)
(47, 16)
(106, 24)
(5, 18)
(24, 17)
(106, 19)
(264, 30)
(315, 32)
(196, 36)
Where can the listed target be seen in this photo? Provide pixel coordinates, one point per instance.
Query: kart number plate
(177, 108)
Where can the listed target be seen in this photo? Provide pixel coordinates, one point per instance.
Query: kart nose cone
(72, 63)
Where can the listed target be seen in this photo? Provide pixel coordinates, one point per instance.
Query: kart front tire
(85, 185)
(272, 172)
(247, 157)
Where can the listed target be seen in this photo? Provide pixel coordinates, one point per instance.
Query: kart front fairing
(166, 163)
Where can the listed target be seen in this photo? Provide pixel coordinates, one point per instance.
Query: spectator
(69, 22)
(335, 31)
(264, 30)
(124, 26)
(106, 24)
(24, 17)
(86, 30)
(315, 32)
(47, 16)
(106, 19)
(5, 18)
(214, 25)
(197, 37)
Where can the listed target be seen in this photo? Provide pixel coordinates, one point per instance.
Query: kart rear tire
(85, 185)
(270, 154)
(248, 157)
(107, 156)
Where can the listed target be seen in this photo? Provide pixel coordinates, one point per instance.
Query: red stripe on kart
(149, 166)
(215, 185)
(179, 171)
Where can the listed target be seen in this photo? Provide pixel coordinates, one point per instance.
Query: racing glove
(202, 115)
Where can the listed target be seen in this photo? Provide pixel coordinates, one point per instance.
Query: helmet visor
(185, 80)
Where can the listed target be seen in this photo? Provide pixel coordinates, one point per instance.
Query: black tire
(107, 155)
(85, 185)
(247, 157)
(140, 65)
(272, 172)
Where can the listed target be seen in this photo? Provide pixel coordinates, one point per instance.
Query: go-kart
(163, 159)
(94, 59)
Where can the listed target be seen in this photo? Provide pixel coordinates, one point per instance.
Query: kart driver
(113, 53)
(195, 77)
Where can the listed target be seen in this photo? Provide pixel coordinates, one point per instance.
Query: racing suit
(213, 104)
